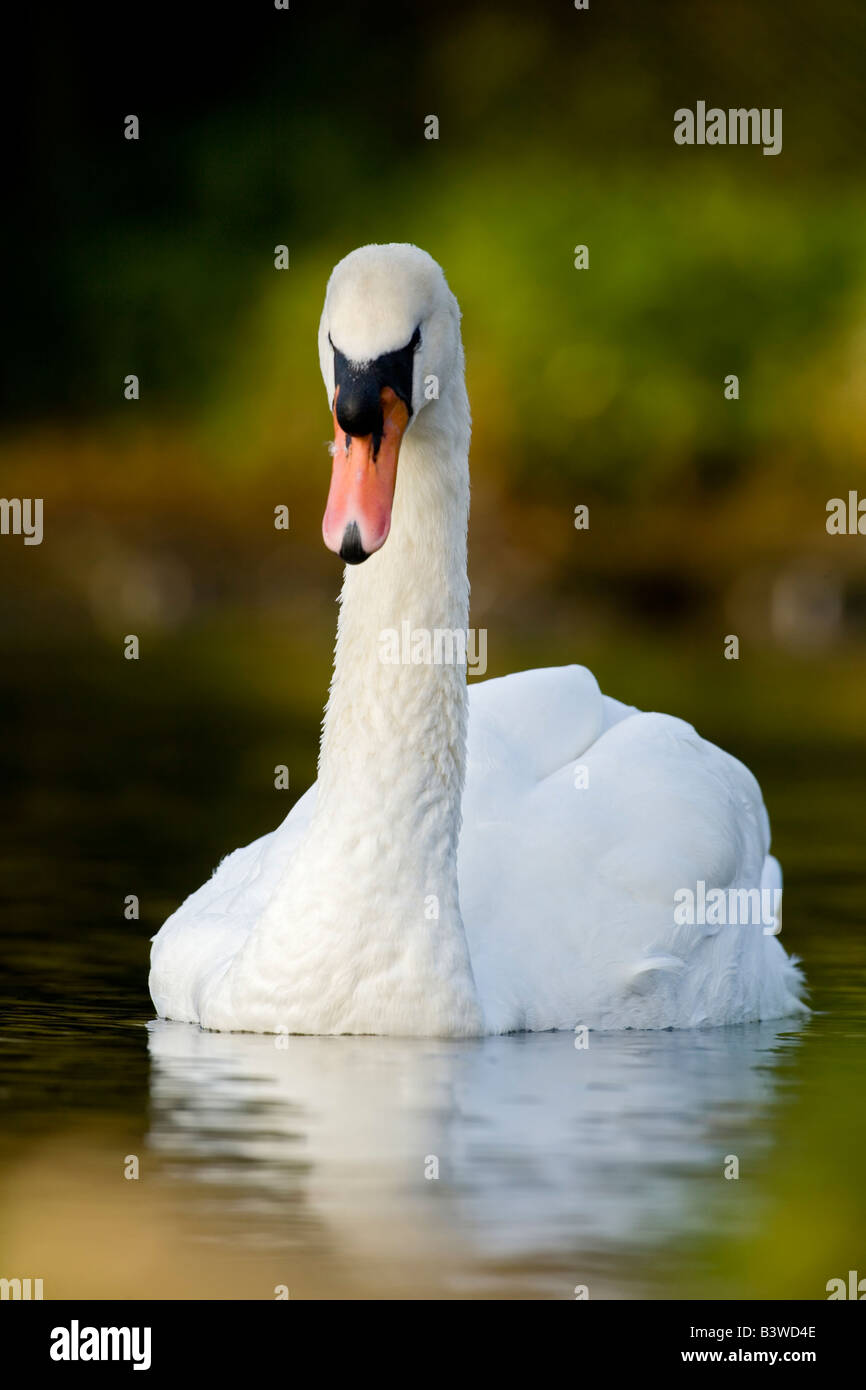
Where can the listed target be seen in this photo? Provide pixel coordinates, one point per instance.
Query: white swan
(348, 918)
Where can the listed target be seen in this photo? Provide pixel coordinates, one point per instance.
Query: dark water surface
(310, 1164)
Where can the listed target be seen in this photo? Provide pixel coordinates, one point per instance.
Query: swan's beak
(358, 515)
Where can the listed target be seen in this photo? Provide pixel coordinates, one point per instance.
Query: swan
(469, 862)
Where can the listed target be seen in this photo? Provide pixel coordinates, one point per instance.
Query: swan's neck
(392, 756)
(395, 726)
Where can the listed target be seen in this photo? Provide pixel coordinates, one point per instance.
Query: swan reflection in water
(548, 1154)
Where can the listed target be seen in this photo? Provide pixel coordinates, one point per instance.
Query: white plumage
(371, 909)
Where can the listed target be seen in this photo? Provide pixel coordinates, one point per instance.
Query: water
(377, 1167)
(547, 1166)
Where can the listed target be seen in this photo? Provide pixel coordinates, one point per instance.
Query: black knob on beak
(359, 388)
(359, 408)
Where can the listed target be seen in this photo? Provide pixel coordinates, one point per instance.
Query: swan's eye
(415, 340)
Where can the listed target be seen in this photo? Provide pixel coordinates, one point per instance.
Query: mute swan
(347, 918)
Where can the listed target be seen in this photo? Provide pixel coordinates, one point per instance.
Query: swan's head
(389, 341)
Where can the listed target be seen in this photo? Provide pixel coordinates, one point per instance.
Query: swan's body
(358, 914)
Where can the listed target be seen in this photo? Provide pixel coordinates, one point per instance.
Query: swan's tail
(793, 982)
(771, 881)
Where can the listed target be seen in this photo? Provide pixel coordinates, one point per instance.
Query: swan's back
(582, 818)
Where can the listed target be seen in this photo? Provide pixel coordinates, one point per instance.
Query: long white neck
(380, 855)
(397, 729)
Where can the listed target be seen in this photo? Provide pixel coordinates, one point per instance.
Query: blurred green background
(602, 387)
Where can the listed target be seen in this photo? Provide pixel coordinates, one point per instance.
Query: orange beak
(358, 515)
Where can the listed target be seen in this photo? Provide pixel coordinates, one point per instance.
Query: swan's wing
(574, 847)
(211, 925)
(536, 721)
